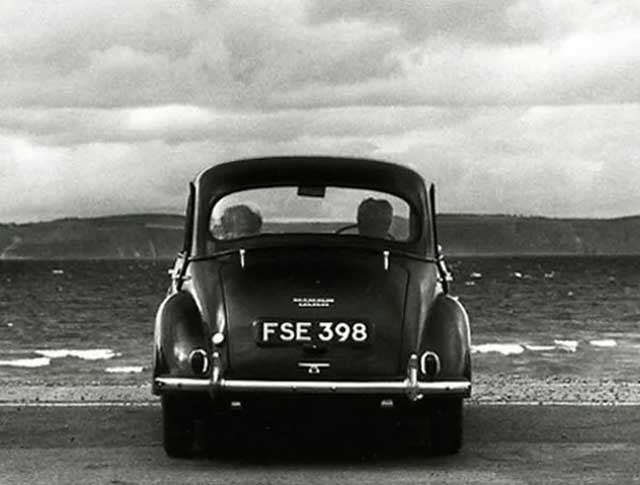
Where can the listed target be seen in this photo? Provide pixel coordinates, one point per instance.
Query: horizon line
(438, 214)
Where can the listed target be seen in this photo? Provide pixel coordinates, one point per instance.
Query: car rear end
(310, 312)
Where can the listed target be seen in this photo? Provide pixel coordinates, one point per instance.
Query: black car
(305, 278)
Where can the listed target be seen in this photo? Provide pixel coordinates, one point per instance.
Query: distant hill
(159, 236)
(498, 235)
(147, 236)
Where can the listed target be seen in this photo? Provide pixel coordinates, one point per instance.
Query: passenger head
(374, 218)
(239, 221)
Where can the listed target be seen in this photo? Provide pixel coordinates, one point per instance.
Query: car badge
(314, 367)
(306, 302)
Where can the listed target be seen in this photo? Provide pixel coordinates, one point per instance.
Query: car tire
(445, 426)
(178, 419)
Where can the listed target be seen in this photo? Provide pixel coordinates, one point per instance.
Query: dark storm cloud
(297, 55)
(222, 55)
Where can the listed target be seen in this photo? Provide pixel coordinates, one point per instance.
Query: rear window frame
(415, 233)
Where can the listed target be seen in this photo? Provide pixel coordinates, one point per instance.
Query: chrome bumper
(410, 386)
(412, 389)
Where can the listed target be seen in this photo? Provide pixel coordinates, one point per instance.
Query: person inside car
(374, 218)
(240, 221)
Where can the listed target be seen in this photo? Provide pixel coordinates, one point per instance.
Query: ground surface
(497, 388)
(504, 444)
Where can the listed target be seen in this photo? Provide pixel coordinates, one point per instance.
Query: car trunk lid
(314, 313)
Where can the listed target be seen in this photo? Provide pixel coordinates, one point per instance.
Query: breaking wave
(504, 349)
(28, 363)
(125, 369)
(25, 358)
(91, 354)
(570, 346)
(609, 342)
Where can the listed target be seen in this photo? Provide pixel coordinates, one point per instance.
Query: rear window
(311, 210)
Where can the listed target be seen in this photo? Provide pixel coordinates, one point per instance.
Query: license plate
(283, 332)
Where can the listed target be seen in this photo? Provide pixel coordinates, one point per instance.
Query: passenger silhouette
(240, 221)
(374, 218)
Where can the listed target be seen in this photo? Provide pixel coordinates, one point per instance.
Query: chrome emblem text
(303, 302)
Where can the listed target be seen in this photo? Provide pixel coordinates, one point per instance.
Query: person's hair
(374, 217)
(241, 220)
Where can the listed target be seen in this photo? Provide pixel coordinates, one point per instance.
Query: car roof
(222, 179)
(309, 170)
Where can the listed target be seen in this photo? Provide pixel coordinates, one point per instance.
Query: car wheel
(445, 426)
(178, 419)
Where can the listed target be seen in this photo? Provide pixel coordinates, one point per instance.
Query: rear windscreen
(312, 209)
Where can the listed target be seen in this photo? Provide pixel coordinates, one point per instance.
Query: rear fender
(178, 330)
(447, 333)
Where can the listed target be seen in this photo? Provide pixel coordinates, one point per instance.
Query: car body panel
(308, 285)
(225, 289)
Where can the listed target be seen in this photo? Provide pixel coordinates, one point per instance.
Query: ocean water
(87, 322)
(553, 316)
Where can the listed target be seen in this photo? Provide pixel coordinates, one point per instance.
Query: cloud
(554, 161)
(295, 55)
(45, 182)
(511, 106)
(221, 54)
(185, 123)
(490, 22)
(545, 160)
(418, 20)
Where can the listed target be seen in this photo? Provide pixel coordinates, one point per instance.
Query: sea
(91, 322)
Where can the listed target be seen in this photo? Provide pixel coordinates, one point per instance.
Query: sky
(512, 107)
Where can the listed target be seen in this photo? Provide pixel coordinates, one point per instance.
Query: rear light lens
(199, 362)
(430, 364)
(217, 339)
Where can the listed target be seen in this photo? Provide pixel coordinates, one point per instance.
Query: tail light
(199, 362)
(430, 364)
